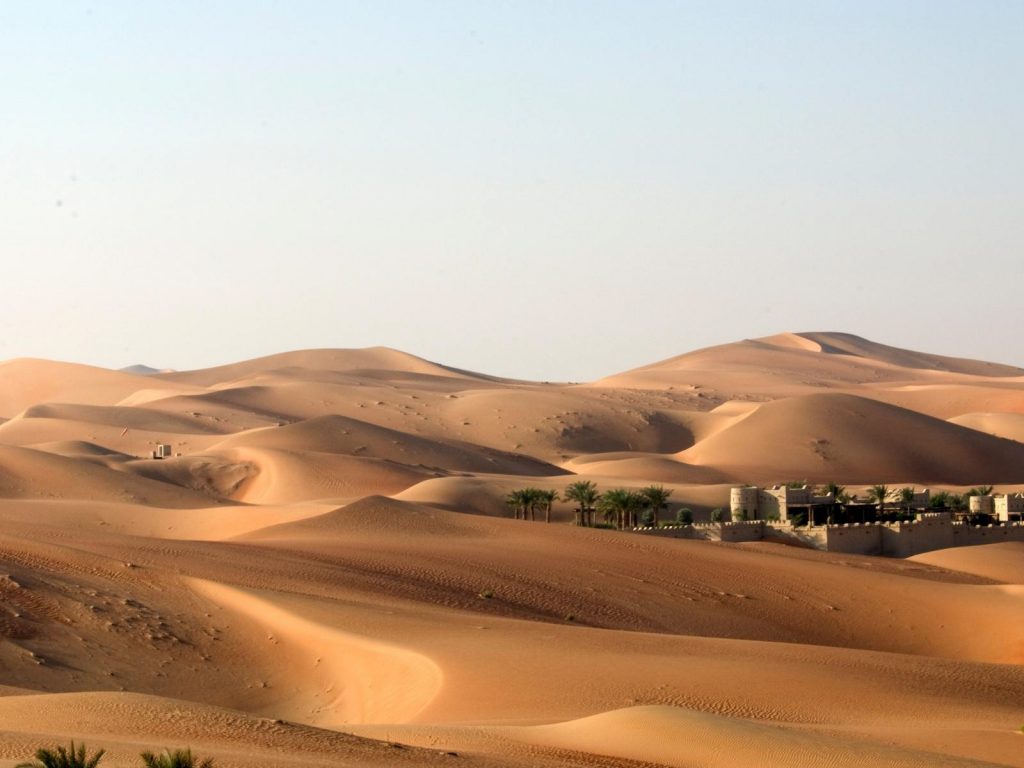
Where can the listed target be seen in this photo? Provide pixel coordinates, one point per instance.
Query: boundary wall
(929, 532)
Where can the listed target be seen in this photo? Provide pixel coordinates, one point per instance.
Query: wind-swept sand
(329, 566)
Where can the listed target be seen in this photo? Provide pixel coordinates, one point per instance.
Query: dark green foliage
(64, 758)
(620, 506)
(684, 516)
(178, 758)
(584, 493)
(546, 499)
(837, 491)
(525, 502)
(655, 499)
(879, 494)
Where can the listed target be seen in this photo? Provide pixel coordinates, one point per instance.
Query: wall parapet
(901, 539)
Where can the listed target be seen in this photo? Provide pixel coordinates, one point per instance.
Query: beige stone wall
(743, 501)
(854, 539)
(1007, 505)
(982, 505)
(930, 532)
(772, 503)
(968, 535)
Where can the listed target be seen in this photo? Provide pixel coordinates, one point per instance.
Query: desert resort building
(799, 515)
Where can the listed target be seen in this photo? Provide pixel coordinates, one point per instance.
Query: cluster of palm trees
(940, 500)
(883, 497)
(527, 502)
(76, 757)
(621, 507)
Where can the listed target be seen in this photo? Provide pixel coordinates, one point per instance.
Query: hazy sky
(551, 190)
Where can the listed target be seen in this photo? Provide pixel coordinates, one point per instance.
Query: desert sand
(325, 572)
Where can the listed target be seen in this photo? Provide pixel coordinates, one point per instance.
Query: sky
(545, 190)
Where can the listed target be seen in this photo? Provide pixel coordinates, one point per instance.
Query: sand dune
(675, 737)
(338, 434)
(281, 477)
(804, 362)
(848, 344)
(329, 550)
(950, 401)
(128, 723)
(1006, 425)
(1002, 562)
(644, 467)
(373, 360)
(31, 474)
(858, 441)
(27, 382)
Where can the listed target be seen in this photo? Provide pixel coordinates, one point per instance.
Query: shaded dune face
(325, 564)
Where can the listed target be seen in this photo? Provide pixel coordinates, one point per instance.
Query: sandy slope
(1001, 562)
(1006, 425)
(331, 552)
(27, 382)
(858, 439)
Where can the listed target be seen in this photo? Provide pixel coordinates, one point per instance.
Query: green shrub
(64, 758)
(684, 516)
(179, 758)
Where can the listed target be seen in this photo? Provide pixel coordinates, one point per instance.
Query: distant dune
(324, 569)
(144, 370)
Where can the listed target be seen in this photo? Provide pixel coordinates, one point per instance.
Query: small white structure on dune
(163, 451)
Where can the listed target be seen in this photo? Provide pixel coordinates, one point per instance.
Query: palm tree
(612, 505)
(512, 501)
(64, 758)
(656, 498)
(546, 499)
(584, 493)
(621, 505)
(981, 490)
(958, 503)
(524, 501)
(179, 758)
(516, 501)
(835, 489)
(906, 498)
(939, 500)
(879, 494)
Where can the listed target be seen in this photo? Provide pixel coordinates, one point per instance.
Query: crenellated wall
(929, 532)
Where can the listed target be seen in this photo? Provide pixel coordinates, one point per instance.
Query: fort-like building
(800, 503)
(781, 513)
(1004, 507)
(780, 502)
